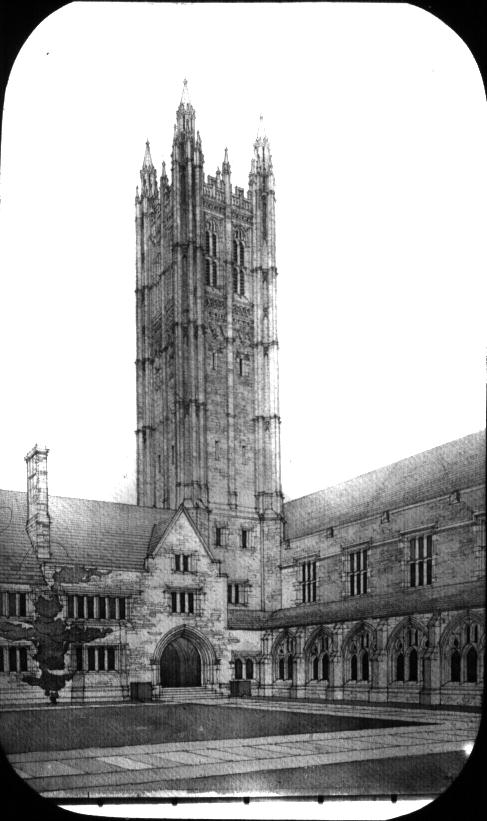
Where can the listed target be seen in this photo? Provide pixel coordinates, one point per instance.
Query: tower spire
(185, 114)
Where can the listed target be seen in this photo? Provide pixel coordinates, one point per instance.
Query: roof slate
(436, 472)
(395, 603)
(83, 531)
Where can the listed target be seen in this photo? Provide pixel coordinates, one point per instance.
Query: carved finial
(147, 157)
(226, 164)
(185, 94)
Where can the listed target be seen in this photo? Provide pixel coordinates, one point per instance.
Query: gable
(180, 535)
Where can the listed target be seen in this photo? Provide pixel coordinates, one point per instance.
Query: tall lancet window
(211, 255)
(238, 265)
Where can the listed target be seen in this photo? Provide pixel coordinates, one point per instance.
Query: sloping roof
(436, 472)
(83, 531)
(394, 603)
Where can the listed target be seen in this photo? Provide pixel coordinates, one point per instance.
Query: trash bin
(140, 691)
(240, 688)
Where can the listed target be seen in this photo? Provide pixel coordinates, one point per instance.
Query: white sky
(377, 120)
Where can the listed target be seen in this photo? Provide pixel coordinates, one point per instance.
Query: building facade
(371, 590)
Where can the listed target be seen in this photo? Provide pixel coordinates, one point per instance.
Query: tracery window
(358, 655)
(406, 651)
(244, 665)
(284, 658)
(319, 657)
(462, 653)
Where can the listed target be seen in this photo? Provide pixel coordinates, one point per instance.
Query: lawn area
(119, 725)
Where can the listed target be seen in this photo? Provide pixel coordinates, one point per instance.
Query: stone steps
(189, 693)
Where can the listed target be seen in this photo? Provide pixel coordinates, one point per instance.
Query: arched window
(357, 650)
(316, 664)
(215, 277)
(290, 667)
(242, 283)
(471, 665)
(365, 666)
(413, 665)
(461, 652)
(235, 280)
(455, 665)
(214, 245)
(242, 254)
(283, 657)
(249, 668)
(281, 668)
(353, 667)
(207, 243)
(207, 269)
(235, 252)
(325, 667)
(410, 639)
(238, 668)
(317, 653)
(400, 667)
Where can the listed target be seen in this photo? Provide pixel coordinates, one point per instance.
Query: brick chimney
(38, 520)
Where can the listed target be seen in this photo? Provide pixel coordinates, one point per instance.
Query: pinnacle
(147, 157)
(261, 135)
(185, 94)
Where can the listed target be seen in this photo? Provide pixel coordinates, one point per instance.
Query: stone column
(155, 678)
(335, 689)
(299, 668)
(430, 692)
(378, 659)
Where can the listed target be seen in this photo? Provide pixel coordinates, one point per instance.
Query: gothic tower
(207, 370)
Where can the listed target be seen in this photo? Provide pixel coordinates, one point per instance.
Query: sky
(377, 120)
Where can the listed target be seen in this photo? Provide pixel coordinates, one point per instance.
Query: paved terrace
(233, 765)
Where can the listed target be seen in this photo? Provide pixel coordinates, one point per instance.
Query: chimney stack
(38, 520)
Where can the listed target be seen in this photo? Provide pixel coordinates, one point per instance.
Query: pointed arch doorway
(180, 664)
(184, 657)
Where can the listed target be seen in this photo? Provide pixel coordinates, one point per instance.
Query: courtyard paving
(387, 742)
